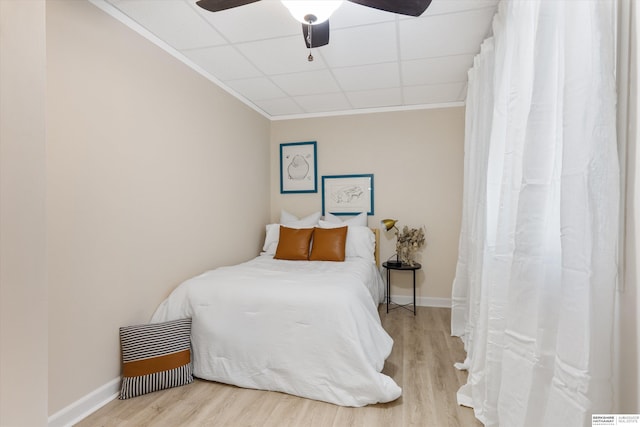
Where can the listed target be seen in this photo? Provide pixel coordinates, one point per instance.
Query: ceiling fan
(314, 15)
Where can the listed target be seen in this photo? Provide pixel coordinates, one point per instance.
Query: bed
(307, 328)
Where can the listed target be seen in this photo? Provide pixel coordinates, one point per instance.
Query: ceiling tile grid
(374, 59)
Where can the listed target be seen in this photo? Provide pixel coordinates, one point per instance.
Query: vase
(406, 255)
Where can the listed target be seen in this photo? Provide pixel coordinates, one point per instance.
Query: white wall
(417, 161)
(154, 175)
(23, 291)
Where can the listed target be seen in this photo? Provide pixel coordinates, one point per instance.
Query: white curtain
(533, 294)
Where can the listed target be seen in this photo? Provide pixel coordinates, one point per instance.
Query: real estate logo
(626, 420)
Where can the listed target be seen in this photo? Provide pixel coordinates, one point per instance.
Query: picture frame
(298, 167)
(347, 194)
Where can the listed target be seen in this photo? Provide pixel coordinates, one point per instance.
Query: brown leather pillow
(293, 243)
(328, 244)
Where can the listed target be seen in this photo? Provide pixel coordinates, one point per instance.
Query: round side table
(401, 267)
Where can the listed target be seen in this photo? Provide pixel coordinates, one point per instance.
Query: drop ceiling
(375, 60)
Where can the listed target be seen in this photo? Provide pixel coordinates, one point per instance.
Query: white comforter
(305, 328)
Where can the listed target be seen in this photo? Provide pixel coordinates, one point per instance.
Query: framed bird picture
(298, 167)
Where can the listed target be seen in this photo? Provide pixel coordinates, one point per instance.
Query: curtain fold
(533, 294)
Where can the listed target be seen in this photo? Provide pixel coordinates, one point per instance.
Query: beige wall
(144, 160)
(153, 175)
(417, 161)
(23, 291)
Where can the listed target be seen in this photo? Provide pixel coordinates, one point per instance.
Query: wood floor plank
(421, 362)
(312, 413)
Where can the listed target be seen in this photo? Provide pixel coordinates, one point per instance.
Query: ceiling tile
(308, 83)
(432, 94)
(256, 89)
(280, 56)
(323, 102)
(369, 44)
(374, 76)
(280, 107)
(436, 36)
(174, 22)
(463, 92)
(376, 98)
(224, 62)
(429, 71)
(353, 14)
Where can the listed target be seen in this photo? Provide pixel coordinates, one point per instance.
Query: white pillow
(361, 242)
(359, 220)
(291, 220)
(271, 239)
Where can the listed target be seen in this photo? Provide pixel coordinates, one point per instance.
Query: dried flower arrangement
(410, 240)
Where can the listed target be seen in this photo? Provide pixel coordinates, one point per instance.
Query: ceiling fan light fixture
(311, 12)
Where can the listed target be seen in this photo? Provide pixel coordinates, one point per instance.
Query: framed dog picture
(347, 194)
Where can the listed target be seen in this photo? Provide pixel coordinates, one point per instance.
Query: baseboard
(86, 405)
(422, 301)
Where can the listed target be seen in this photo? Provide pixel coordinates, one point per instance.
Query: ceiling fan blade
(218, 5)
(319, 34)
(408, 7)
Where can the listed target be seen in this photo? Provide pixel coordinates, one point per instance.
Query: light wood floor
(421, 363)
